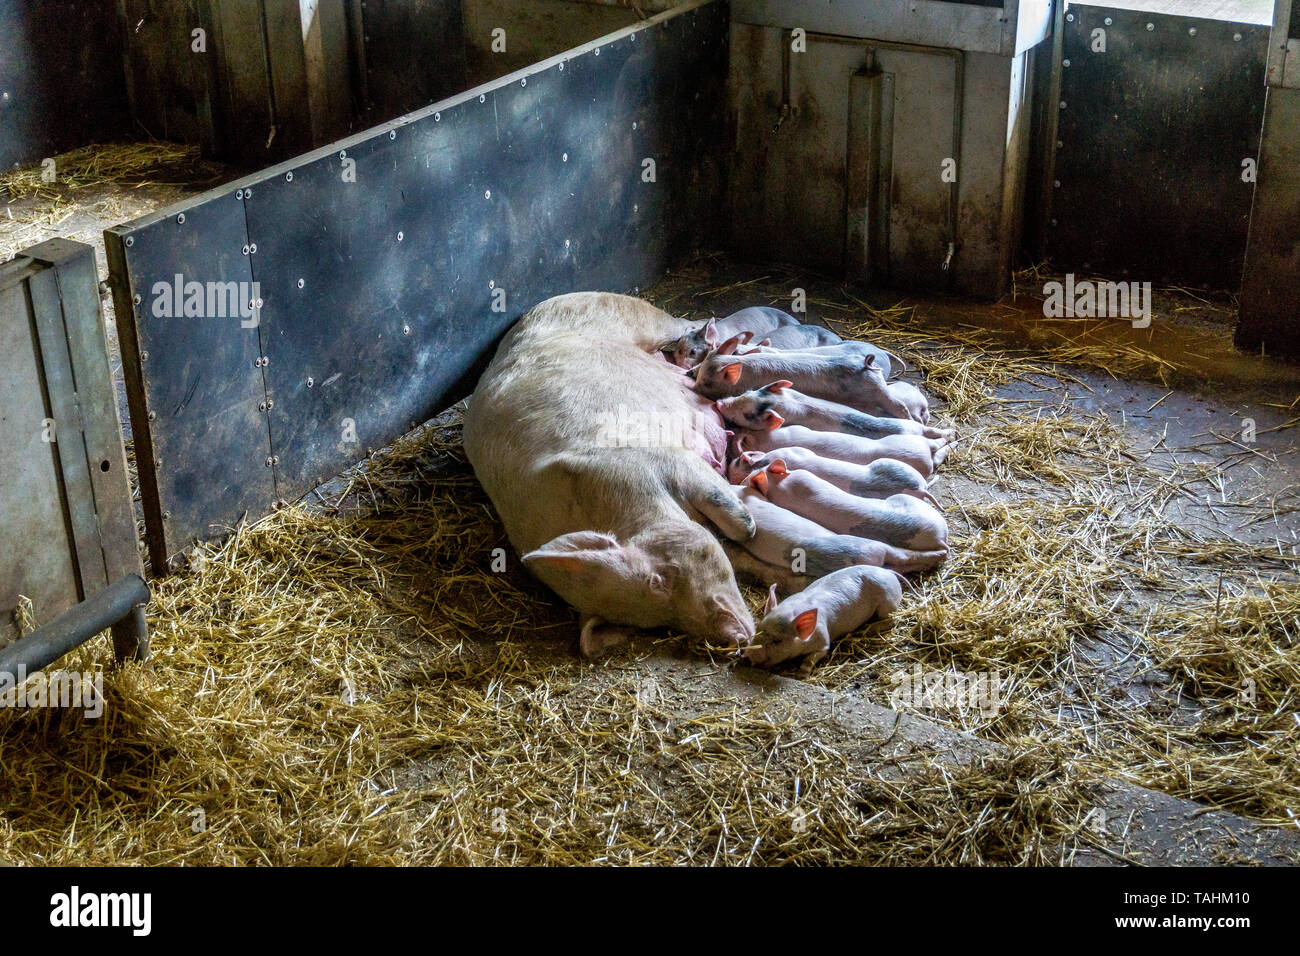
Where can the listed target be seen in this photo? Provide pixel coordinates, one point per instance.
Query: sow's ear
(579, 553)
(770, 604)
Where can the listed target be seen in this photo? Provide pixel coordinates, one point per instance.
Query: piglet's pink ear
(711, 334)
(779, 468)
(776, 388)
(745, 337)
(729, 346)
(805, 624)
(751, 457)
(773, 420)
(759, 480)
(770, 604)
(732, 373)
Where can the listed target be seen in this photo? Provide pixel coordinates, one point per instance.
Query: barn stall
(347, 662)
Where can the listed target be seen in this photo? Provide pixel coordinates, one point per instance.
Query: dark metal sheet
(1154, 132)
(202, 459)
(531, 185)
(533, 188)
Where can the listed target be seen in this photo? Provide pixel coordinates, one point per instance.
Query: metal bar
(77, 625)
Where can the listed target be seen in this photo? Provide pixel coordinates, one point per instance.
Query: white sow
(611, 525)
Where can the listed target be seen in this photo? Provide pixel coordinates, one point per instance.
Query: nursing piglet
(689, 350)
(882, 478)
(923, 454)
(789, 541)
(913, 399)
(854, 379)
(899, 520)
(805, 624)
(798, 337)
(779, 402)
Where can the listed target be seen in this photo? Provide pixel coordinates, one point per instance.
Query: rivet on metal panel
(596, 51)
(252, 248)
(239, 194)
(180, 218)
(492, 283)
(246, 249)
(1069, 16)
(406, 330)
(1062, 104)
(1191, 31)
(1236, 38)
(288, 177)
(487, 194)
(482, 98)
(1056, 184)
(523, 81)
(157, 462)
(130, 240)
(275, 459)
(1060, 144)
(270, 462)
(301, 283)
(437, 117)
(343, 154)
(152, 416)
(401, 236)
(1150, 27)
(1053, 222)
(566, 243)
(270, 404)
(564, 158)
(1065, 63)
(248, 193)
(561, 66)
(392, 134)
(634, 124)
(144, 356)
(136, 299)
(1109, 21)
(310, 381)
(166, 515)
(261, 407)
(636, 207)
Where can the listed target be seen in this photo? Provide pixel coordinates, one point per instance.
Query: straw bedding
(350, 681)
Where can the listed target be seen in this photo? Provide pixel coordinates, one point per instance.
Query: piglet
(805, 624)
(913, 399)
(779, 402)
(789, 541)
(923, 454)
(799, 337)
(883, 478)
(899, 520)
(689, 350)
(855, 379)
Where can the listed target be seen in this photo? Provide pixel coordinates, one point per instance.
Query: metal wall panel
(379, 262)
(1154, 133)
(194, 383)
